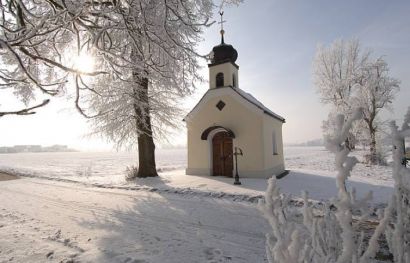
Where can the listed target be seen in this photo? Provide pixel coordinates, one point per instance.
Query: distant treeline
(317, 142)
(35, 149)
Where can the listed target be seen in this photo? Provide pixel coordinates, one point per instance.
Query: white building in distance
(228, 119)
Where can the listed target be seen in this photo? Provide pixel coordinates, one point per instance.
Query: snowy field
(100, 167)
(311, 169)
(77, 207)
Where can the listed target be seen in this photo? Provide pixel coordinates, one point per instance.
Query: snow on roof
(249, 98)
(258, 104)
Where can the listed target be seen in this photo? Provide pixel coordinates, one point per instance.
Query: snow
(90, 167)
(256, 102)
(77, 207)
(313, 169)
(43, 220)
(310, 170)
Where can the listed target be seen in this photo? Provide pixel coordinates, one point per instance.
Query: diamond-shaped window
(220, 105)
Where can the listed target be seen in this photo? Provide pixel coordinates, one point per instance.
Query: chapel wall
(273, 162)
(245, 123)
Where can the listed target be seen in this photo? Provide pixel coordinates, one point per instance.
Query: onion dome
(224, 52)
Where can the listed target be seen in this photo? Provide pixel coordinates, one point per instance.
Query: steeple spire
(222, 27)
(223, 53)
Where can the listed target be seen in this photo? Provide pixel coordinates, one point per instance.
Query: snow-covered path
(46, 221)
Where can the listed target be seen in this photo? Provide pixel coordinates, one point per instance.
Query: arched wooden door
(222, 153)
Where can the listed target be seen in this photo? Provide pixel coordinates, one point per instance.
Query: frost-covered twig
(284, 243)
(328, 235)
(398, 236)
(344, 165)
(25, 111)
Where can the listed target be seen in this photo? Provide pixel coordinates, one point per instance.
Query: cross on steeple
(222, 27)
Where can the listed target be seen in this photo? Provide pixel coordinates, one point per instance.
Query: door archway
(222, 154)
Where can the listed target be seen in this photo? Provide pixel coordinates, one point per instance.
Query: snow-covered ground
(100, 167)
(77, 207)
(49, 221)
(311, 169)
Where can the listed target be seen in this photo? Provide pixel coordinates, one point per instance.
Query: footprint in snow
(133, 260)
(213, 255)
(50, 255)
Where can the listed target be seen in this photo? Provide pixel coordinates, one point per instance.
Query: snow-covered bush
(398, 230)
(313, 240)
(324, 234)
(131, 173)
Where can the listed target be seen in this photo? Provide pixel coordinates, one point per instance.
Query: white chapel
(228, 120)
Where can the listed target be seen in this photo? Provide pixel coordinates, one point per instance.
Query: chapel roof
(257, 103)
(248, 97)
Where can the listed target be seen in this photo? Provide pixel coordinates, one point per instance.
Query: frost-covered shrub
(329, 235)
(315, 239)
(131, 173)
(398, 230)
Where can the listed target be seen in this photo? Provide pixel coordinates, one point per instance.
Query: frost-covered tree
(346, 78)
(376, 92)
(148, 46)
(144, 59)
(337, 70)
(153, 63)
(37, 42)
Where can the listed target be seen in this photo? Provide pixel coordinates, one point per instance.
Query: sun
(84, 62)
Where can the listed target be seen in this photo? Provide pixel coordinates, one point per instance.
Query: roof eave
(223, 62)
(275, 117)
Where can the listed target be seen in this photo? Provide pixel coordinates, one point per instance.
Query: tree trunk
(146, 156)
(372, 131)
(373, 152)
(349, 143)
(146, 146)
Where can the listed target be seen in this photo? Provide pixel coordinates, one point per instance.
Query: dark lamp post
(238, 151)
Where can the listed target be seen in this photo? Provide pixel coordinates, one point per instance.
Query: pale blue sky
(276, 42)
